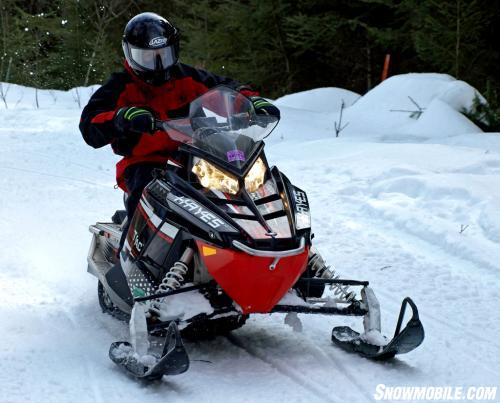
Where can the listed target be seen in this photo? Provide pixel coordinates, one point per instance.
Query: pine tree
(446, 34)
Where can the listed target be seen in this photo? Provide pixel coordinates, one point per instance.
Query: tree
(446, 34)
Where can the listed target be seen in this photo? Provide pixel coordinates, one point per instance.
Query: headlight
(212, 177)
(255, 177)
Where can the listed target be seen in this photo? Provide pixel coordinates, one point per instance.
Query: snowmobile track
(439, 323)
(94, 384)
(456, 328)
(409, 238)
(282, 369)
(346, 373)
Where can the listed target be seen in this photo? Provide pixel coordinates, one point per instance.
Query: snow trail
(388, 199)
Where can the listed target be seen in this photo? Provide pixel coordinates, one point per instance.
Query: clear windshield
(223, 123)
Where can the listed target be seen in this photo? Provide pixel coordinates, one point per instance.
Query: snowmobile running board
(173, 361)
(403, 341)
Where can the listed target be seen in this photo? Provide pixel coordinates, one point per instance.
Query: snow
(319, 100)
(25, 98)
(184, 305)
(412, 205)
(374, 337)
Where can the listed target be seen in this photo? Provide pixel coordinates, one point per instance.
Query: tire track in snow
(409, 242)
(94, 384)
(70, 162)
(438, 323)
(284, 370)
(457, 328)
(407, 238)
(346, 373)
(68, 178)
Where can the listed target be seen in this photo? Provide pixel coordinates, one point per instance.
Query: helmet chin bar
(154, 77)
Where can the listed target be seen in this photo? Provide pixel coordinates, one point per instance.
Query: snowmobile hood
(253, 282)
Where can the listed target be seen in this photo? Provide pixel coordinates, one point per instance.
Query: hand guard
(264, 107)
(133, 120)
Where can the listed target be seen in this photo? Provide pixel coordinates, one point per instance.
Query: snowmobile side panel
(173, 361)
(147, 229)
(404, 340)
(255, 283)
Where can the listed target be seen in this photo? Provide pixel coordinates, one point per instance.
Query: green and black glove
(133, 120)
(264, 107)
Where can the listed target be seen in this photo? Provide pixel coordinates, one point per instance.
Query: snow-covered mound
(327, 99)
(13, 96)
(424, 88)
(408, 107)
(412, 205)
(395, 106)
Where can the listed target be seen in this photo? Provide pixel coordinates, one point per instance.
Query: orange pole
(385, 71)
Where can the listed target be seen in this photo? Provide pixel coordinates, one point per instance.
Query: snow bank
(326, 100)
(441, 119)
(407, 107)
(20, 97)
(423, 88)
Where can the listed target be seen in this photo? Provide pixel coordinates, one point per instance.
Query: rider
(153, 85)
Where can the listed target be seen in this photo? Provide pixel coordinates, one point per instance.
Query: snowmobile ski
(174, 359)
(403, 341)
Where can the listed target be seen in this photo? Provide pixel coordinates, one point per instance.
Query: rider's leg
(137, 178)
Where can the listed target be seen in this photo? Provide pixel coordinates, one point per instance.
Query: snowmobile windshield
(223, 123)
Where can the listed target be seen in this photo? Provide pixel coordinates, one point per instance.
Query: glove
(133, 120)
(264, 107)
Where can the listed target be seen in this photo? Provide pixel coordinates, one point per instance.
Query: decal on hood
(235, 155)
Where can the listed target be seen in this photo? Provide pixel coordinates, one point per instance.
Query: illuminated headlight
(302, 220)
(212, 177)
(255, 177)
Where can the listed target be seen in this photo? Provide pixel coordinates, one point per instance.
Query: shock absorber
(174, 278)
(321, 270)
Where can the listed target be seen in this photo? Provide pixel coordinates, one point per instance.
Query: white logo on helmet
(157, 42)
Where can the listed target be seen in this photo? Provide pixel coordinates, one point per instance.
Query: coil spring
(321, 270)
(174, 278)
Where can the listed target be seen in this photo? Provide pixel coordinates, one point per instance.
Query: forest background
(277, 46)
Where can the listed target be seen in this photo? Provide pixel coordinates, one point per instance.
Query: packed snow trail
(416, 215)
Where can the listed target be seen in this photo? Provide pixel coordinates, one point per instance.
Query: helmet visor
(153, 59)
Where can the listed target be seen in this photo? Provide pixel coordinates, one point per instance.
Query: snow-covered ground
(412, 205)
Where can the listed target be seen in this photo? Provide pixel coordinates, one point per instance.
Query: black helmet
(151, 47)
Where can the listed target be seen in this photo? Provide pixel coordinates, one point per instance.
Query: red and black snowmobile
(219, 235)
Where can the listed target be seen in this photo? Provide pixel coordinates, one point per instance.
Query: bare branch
(339, 127)
(463, 228)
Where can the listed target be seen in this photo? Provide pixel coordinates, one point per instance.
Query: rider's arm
(96, 123)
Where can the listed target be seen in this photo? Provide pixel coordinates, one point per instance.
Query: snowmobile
(219, 235)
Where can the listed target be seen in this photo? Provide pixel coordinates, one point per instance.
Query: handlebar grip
(159, 125)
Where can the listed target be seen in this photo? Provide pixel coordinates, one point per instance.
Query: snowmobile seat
(119, 216)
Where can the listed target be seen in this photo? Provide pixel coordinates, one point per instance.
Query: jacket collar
(144, 85)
